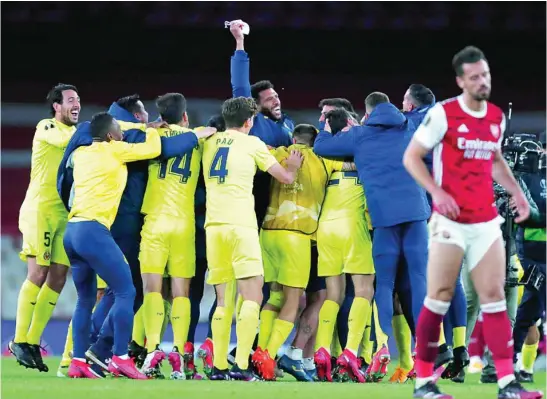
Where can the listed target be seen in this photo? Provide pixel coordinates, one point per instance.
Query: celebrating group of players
(122, 200)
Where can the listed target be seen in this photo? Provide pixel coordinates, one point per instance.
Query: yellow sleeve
(130, 125)
(332, 165)
(48, 132)
(151, 148)
(279, 153)
(263, 158)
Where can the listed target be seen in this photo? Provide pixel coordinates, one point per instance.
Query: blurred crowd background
(309, 50)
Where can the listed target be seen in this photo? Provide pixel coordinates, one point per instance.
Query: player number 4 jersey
(230, 161)
(172, 182)
(464, 144)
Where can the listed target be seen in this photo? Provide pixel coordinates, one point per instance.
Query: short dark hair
(421, 95)
(259, 87)
(217, 121)
(375, 98)
(55, 95)
(100, 125)
(468, 55)
(171, 107)
(236, 111)
(338, 103)
(305, 133)
(338, 119)
(129, 103)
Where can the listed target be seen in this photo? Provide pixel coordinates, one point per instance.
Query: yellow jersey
(230, 160)
(172, 182)
(48, 146)
(345, 197)
(296, 207)
(100, 175)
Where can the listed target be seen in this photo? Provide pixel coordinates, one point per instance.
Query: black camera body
(523, 152)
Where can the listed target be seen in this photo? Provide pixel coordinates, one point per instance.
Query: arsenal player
(465, 133)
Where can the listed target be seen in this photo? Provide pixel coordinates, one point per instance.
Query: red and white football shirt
(464, 143)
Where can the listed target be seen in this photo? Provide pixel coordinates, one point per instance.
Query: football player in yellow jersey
(168, 235)
(230, 160)
(42, 221)
(100, 176)
(344, 246)
(289, 226)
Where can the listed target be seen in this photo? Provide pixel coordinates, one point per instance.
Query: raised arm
(151, 148)
(239, 65)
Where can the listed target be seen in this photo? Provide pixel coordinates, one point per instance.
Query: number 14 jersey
(230, 160)
(172, 183)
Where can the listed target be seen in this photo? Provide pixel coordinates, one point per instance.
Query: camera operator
(531, 246)
(506, 210)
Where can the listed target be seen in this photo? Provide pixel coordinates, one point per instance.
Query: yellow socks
(335, 346)
(529, 353)
(153, 314)
(358, 315)
(267, 318)
(442, 339)
(368, 344)
(403, 339)
(25, 309)
(180, 319)
(458, 336)
(381, 337)
(239, 302)
(221, 328)
(138, 334)
(280, 332)
(327, 321)
(65, 360)
(166, 317)
(247, 323)
(45, 303)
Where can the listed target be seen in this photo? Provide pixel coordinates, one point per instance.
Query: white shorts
(475, 239)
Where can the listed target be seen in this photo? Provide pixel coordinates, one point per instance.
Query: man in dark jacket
(397, 205)
(531, 243)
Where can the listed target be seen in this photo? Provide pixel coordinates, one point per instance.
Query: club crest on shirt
(47, 255)
(495, 130)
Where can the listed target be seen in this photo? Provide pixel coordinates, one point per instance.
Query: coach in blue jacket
(397, 204)
(127, 226)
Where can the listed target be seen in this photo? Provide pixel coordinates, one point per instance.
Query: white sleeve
(503, 125)
(433, 128)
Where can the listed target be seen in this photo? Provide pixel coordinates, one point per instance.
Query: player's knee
(56, 277)
(127, 293)
(444, 294)
(492, 293)
(36, 274)
(364, 286)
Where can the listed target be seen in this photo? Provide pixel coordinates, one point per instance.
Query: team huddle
(142, 211)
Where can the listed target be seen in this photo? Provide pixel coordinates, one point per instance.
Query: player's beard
(267, 113)
(482, 95)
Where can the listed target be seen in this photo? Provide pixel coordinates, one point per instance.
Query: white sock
(420, 382)
(308, 363)
(503, 382)
(124, 357)
(294, 353)
(476, 359)
(80, 359)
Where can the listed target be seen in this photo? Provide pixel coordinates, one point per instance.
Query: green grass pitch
(20, 383)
